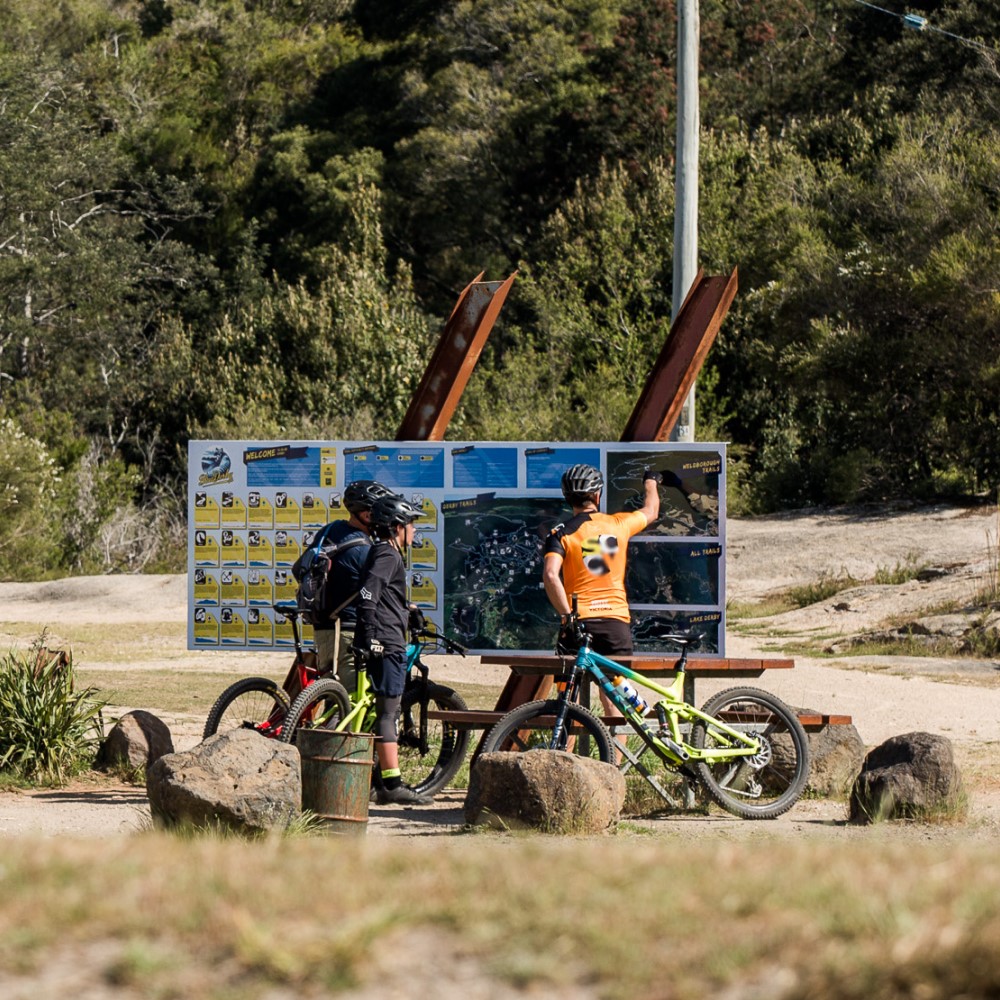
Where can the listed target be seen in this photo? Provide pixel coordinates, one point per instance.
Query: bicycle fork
(567, 691)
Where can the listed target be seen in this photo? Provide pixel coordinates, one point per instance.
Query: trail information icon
(476, 564)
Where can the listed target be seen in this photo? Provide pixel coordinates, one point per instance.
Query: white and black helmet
(362, 494)
(581, 482)
(391, 510)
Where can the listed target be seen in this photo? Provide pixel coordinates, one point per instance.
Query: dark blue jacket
(344, 577)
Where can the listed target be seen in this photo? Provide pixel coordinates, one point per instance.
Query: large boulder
(909, 776)
(237, 779)
(836, 755)
(137, 740)
(546, 789)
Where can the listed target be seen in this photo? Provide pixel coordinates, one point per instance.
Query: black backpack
(311, 570)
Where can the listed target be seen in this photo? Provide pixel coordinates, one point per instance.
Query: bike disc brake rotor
(764, 753)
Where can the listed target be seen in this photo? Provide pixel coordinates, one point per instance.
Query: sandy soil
(885, 695)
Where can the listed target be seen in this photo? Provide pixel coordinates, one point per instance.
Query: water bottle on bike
(629, 693)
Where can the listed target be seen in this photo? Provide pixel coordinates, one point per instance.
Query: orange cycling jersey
(592, 546)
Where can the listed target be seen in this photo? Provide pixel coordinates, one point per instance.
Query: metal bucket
(336, 777)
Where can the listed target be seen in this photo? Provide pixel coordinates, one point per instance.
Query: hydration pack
(312, 569)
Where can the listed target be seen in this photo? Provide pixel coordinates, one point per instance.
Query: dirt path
(886, 696)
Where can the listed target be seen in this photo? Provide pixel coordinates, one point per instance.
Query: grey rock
(908, 776)
(548, 790)
(137, 739)
(236, 779)
(836, 755)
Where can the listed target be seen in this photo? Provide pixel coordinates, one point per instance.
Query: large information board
(476, 563)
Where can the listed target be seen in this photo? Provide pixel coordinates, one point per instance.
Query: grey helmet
(580, 483)
(391, 510)
(362, 494)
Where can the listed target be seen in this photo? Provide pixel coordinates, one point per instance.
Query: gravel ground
(886, 696)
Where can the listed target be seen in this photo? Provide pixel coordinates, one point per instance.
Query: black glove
(417, 620)
(569, 640)
(368, 650)
(652, 474)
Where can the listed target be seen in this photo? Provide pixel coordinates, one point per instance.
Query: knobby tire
(519, 730)
(251, 703)
(768, 787)
(430, 771)
(320, 705)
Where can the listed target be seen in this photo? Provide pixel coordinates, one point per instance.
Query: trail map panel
(475, 566)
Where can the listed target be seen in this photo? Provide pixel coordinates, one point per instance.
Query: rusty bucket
(336, 777)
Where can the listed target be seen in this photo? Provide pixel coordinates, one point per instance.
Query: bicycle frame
(670, 711)
(359, 719)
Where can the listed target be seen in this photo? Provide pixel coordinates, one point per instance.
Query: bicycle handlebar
(439, 637)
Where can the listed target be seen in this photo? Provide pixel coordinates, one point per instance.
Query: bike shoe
(403, 796)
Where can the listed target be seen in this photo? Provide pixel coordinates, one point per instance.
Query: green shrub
(48, 730)
(820, 590)
(28, 483)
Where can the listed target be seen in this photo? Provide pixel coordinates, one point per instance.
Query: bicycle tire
(328, 696)
(529, 727)
(447, 746)
(769, 785)
(256, 703)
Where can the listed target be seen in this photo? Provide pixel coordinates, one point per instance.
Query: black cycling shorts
(610, 636)
(388, 674)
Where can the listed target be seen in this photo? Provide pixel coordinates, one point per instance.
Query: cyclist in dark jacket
(380, 640)
(334, 633)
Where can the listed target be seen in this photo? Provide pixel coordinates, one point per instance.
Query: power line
(918, 23)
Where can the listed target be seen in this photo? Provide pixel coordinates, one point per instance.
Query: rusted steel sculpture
(683, 353)
(447, 373)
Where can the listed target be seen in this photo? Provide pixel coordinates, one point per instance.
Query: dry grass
(158, 689)
(207, 918)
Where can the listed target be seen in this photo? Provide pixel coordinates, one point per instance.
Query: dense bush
(231, 218)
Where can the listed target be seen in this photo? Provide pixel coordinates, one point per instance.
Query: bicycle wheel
(427, 765)
(321, 705)
(251, 703)
(769, 783)
(529, 727)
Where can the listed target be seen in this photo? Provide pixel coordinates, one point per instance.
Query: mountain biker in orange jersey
(586, 556)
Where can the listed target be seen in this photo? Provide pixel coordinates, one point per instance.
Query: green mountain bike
(745, 747)
(430, 752)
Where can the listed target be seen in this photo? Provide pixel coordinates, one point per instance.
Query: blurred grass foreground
(489, 916)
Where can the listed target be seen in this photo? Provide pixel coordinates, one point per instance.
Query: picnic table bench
(531, 677)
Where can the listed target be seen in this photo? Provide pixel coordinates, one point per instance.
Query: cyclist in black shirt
(334, 632)
(380, 640)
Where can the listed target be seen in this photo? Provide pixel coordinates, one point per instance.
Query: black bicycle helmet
(362, 494)
(581, 482)
(391, 510)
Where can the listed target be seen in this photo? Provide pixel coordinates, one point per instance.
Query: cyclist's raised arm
(651, 485)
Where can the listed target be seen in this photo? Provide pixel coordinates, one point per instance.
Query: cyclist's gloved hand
(568, 641)
(648, 473)
(417, 620)
(368, 650)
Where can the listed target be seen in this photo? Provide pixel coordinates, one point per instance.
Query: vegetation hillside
(249, 218)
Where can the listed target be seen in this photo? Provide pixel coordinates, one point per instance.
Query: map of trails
(673, 573)
(688, 509)
(648, 627)
(493, 564)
